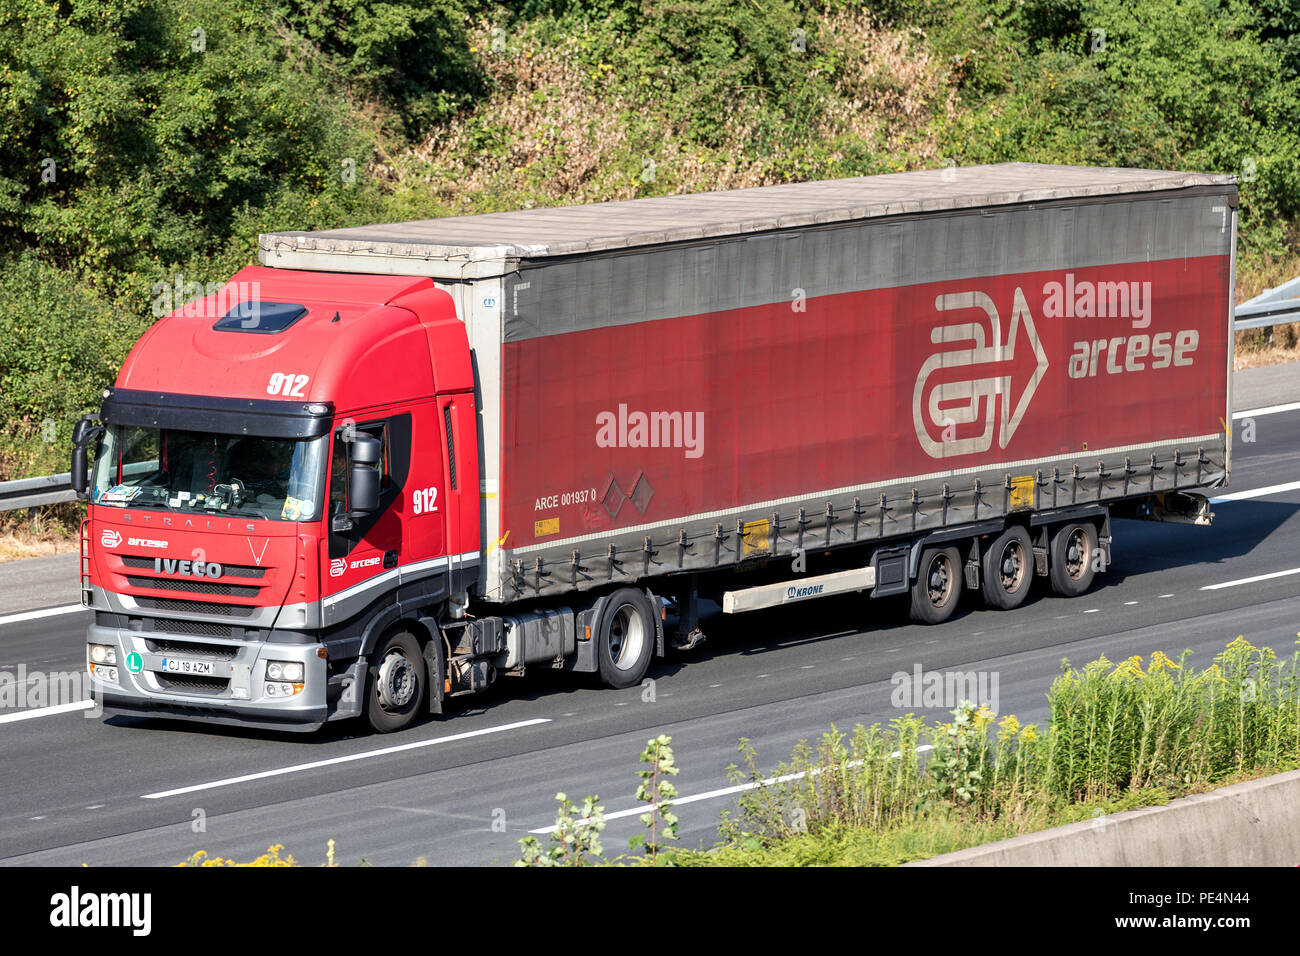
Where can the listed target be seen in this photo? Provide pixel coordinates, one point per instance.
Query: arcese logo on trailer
(948, 405)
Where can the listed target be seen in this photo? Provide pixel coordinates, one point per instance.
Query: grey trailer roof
(472, 246)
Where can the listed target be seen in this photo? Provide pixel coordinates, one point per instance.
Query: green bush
(1116, 733)
(134, 134)
(141, 139)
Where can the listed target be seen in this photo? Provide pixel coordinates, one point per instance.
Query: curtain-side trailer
(472, 446)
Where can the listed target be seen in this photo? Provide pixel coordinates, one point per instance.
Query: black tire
(937, 586)
(626, 636)
(1007, 568)
(396, 683)
(1070, 558)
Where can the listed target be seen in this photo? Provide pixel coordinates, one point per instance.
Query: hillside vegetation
(145, 143)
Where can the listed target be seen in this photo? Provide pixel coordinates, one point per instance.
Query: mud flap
(434, 665)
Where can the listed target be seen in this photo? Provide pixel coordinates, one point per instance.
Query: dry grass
(1254, 356)
(52, 530)
(559, 133)
(22, 544)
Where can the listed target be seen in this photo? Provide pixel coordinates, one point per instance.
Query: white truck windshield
(267, 478)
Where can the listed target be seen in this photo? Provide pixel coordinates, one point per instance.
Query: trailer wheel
(396, 683)
(1071, 558)
(1008, 569)
(626, 636)
(937, 586)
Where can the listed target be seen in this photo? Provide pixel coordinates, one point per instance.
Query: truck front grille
(195, 587)
(195, 607)
(177, 625)
(227, 570)
(208, 652)
(190, 684)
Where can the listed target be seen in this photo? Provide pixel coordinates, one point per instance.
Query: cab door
(426, 498)
(363, 560)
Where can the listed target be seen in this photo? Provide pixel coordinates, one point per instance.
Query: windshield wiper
(234, 511)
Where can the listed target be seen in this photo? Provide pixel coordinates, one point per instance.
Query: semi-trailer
(392, 464)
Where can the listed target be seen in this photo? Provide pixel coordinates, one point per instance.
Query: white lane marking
(1256, 492)
(727, 791)
(348, 758)
(1258, 577)
(43, 612)
(47, 711)
(1265, 410)
(1130, 603)
(1092, 610)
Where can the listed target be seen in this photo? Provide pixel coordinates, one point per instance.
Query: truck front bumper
(223, 681)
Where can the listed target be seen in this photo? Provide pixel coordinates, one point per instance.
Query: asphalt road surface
(463, 790)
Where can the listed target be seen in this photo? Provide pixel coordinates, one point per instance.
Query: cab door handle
(390, 559)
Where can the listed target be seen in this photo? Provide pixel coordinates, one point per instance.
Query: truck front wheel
(396, 682)
(627, 636)
(1071, 555)
(937, 586)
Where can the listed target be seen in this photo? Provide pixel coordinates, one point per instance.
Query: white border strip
(1266, 410)
(43, 612)
(1256, 578)
(1257, 492)
(47, 711)
(348, 758)
(725, 791)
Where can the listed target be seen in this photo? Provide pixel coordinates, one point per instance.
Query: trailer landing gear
(688, 635)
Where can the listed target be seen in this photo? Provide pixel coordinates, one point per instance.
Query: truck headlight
(103, 654)
(290, 671)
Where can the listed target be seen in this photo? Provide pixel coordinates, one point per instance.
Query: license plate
(179, 665)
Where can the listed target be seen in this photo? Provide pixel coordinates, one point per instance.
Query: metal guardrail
(1275, 306)
(35, 492)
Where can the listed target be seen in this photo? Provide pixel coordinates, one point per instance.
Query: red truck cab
(229, 539)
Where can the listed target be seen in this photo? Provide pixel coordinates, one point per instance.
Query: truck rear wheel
(1071, 558)
(396, 683)
(937, 586)
(627, 637)
(1008, 569)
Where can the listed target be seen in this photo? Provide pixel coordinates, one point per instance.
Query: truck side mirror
(363, 476)
(83, 434)
(366, 449)
(80, 477)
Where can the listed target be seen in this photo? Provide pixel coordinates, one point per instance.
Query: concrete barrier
(1247, 824)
